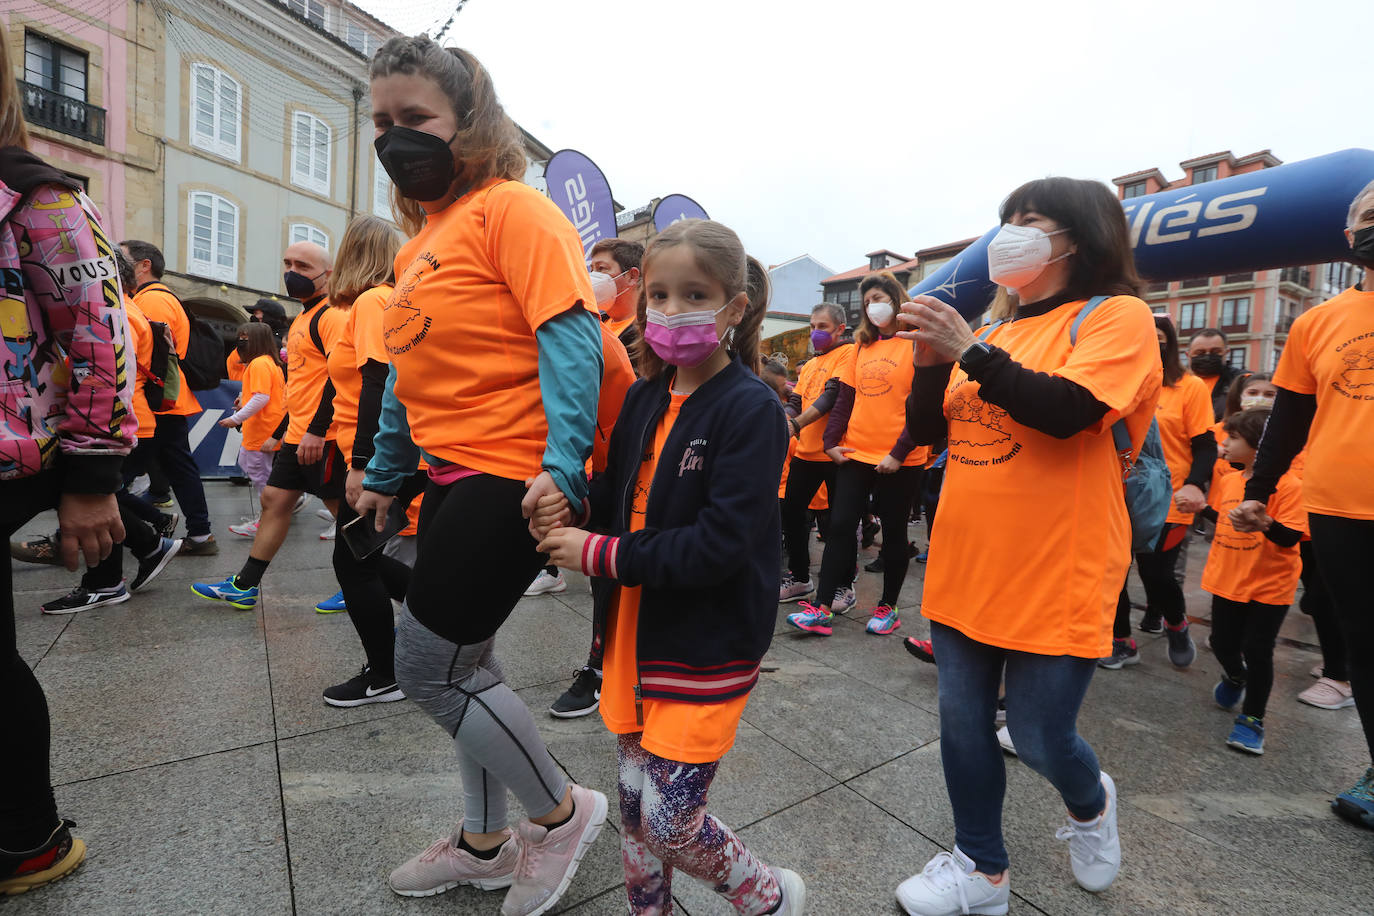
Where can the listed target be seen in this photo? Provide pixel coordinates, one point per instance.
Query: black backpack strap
(315, 329)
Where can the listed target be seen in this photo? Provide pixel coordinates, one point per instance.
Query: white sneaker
(246, 529)
(793, 901)
(843, 600)
(300, 503)
(1094, 847)
(324, 514)
(948, 886)
(792, 590)
(327, 534)
(545, 584)
(1004, 739)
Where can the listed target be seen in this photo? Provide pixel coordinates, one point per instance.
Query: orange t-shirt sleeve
(1198, 416)
(1116, 356)
(537, 252)
(1286, 505)
(366, 316)
(1294, 371)
(257, 380)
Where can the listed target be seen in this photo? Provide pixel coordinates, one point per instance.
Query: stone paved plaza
(191, 745)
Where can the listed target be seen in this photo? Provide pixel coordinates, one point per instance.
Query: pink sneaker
(444, 866)
(1328, 694)
(549, 858)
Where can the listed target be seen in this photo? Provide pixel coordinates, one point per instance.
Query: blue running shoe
(1356, 804)
(1228, 694)
(1247, 735)
(812, 619)
(332, 605)
(884, 620)
(245, 599)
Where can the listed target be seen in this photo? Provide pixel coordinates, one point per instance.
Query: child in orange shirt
(1252, 578)
(695, 544)
(262, 403)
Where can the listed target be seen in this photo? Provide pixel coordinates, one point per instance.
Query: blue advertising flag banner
(579, 189)
(675, 207)
(1285, 216)
(216, 449)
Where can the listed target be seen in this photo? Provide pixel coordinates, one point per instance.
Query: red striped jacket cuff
(598, 555)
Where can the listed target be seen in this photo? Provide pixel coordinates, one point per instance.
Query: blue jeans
(1044, 693)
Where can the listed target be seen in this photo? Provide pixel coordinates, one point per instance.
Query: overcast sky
(837, 128)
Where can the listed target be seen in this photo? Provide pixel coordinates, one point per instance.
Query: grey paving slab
(831, 718)
(194, 836)
(36, 633)
(362, 798)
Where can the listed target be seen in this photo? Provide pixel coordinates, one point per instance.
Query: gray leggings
(461, 687)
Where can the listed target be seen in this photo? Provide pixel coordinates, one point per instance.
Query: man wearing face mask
(614, 264)
(171, 444)
(309, 461)
(1325, 379)
(1207, 360)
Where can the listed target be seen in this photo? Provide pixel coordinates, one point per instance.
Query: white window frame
(304, 10)
(220, 115)
(212, 268)
(308, 232)
(369, 42)
(381, 189)
(315, 175)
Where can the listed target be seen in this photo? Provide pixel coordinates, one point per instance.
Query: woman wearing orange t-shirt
(1034, 537)
(496, 363)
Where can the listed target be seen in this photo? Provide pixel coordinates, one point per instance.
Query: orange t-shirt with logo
(307, 368)
(158, 304)
(143, 355)
(262, 375)
(1330, 354)
(880, 374)
(360, 341)
(1248, 566)
(471, 289)
(685, 732)
(811, 380)
(1033, 540)
(1184, 411)
(616, 379)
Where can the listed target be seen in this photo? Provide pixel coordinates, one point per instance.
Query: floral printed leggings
(663, 808)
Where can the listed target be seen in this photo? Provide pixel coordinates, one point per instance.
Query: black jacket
(708, 556)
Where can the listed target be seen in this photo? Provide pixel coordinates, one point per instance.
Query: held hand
(379, 502)
(1249, 516)
(794, 427)
(564, 547)
(90, 526)
(269, 445)
(537, 487)
(310, 450)
(839, 454)
(228, 423)
(940, 332)
(552, 511)
(1190, 499)
(888, 465)
(353, 486)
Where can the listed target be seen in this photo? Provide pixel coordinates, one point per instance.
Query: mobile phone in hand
(361, 534)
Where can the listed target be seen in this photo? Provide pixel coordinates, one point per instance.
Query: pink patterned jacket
(66, 376)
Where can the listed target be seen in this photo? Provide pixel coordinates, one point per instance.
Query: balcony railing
(1196, 283)
(1300, 276)
(1248, 277)
(55, 111)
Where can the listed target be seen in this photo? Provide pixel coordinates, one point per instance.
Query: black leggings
(474, 558)
(892, 497)
(1243, 638)
(369, 585)
(1163, 594)
(1343, 547)
(804, 479)
(1316, 603)
(28, 812)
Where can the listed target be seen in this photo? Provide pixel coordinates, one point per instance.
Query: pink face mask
(686, 340)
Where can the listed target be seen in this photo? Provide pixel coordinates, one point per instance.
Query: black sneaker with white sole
(582, 698)
(78, 599)
(168, 528)
(151, 565)
(363, 689)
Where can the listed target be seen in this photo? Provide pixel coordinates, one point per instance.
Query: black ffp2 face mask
(1362, 249)
(420, 164)
(1206, 364)
(298, 285)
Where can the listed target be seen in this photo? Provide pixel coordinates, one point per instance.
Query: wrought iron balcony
(55, 111)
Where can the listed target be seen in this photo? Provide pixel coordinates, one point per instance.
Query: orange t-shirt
(811, 380)
(1185, 411)
(471, 289)
(1033, 540)
(1330, 354)
(263, 376)
(157, 304)
(1222, 467)
(143, 354)
(880, 374)
(616, 379)
(673, 730)
(360, 341)
(618, 325)
(1248, 566)
(306, 367)
(233, 366)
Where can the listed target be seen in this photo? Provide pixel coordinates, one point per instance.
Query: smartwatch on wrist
(975, 357)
